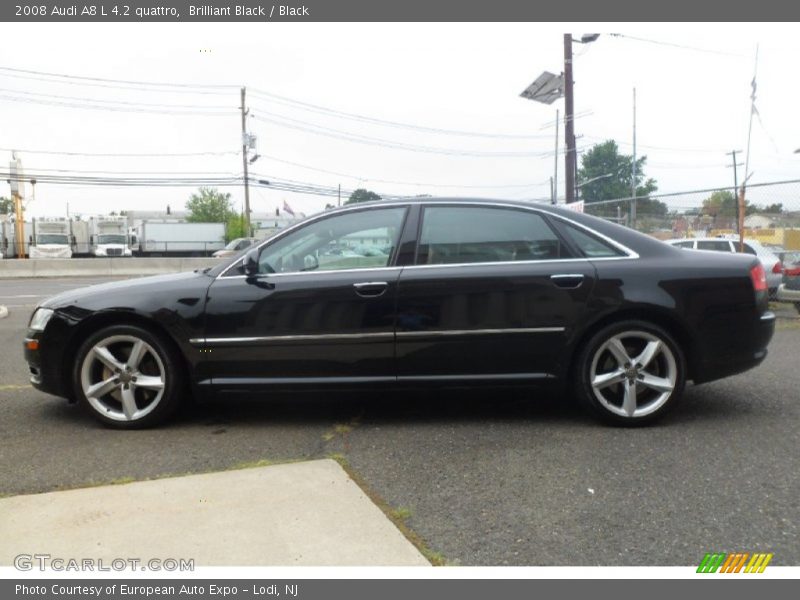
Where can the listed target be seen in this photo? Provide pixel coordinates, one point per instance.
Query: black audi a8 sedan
(423, 292)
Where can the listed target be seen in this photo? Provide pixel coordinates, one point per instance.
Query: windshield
(52, 238)
(111, 239)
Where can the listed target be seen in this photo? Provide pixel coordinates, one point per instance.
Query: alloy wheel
(633, 374)
(123, 378)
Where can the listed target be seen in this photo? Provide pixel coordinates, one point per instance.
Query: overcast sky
(692, 106)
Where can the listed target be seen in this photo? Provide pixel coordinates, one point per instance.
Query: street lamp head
(589, 37)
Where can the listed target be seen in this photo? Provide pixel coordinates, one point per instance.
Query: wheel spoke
(656, 383)
(150, 382)
(104, 355)
(102, 388)
(128, 402)
(617, 349)
(137, 353)
(629, 397)
(606, 379)
(649, 352)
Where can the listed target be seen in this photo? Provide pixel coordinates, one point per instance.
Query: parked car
(772, 263)
(472, 292)
(789, 289)
(234, 247)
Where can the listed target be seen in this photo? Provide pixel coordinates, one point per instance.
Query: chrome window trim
(629, 253)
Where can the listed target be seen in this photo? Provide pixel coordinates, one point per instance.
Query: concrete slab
(307, 513)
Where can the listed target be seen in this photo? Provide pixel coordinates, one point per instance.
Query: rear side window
(461, 234)
(747, 249)
(688, 244)
(589, 245)
(716, 245)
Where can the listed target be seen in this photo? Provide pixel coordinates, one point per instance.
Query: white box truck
(108, 236)
(153, 238)
(51, 238)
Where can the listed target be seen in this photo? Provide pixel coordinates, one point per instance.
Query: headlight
(40, 318)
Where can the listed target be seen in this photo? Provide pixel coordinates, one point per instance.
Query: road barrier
(99, 267)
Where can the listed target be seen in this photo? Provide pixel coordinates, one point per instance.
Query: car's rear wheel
(128, 377)
(631, 373)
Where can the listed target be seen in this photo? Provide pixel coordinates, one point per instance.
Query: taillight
(777, 268)
(759, 277)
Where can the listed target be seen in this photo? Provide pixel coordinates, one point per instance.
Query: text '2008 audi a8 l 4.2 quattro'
(422, 292)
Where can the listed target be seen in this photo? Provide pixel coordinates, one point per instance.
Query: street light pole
(569, 122)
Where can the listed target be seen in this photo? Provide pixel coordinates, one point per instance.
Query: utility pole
(245, 144)
(555, 166)
(732, 154)
(569, 122)
(633, 173)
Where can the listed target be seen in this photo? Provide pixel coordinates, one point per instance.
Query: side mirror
(250, 263)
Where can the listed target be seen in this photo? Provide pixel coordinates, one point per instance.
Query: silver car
(772, 264)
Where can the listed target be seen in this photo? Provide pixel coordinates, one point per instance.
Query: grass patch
(397, 516)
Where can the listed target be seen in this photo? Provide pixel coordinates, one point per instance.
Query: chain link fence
(772, 213)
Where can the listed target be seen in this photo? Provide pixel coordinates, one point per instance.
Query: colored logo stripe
(733, 563)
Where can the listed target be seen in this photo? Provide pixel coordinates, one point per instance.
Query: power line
(316, 108)
(113, 108)
(120, 154)
(394, 182)
(368, 140)
(126, 82)
(119, 102)
(681, 46)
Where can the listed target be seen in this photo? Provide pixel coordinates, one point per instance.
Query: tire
(613, 388)
(130, 392)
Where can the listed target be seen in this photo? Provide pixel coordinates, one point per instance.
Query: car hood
(130, 292)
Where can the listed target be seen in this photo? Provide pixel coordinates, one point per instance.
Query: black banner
(335, 589)
(405, 10)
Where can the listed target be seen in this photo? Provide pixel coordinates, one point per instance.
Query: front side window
(357, 240)
(687, 245)
(460, 234)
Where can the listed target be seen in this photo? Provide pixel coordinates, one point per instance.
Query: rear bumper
(787, 295)
(748, 352)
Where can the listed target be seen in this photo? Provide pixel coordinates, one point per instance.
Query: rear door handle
(567, 281)
(371, 289)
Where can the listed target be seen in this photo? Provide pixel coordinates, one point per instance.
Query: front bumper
(46, 359)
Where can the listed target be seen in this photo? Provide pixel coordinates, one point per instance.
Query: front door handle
(567, 281)
(371, 289)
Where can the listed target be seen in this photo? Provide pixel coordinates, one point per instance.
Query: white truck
(8, 239)
(158, 238)
(108, 236)
(51, 238)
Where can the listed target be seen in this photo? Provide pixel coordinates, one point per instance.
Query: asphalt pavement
(483, 478)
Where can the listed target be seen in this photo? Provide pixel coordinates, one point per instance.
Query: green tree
(722, 203)
(362, 195)
(6, 206)
(770, 209)
(209, 205)
(236, 227)
(609, 175)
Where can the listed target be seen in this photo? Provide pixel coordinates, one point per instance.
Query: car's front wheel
(631, 373)
(127, 377)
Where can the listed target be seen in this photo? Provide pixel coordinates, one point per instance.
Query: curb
(3, 312)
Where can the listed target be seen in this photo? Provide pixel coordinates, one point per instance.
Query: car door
(320, 310)
(493, 294)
